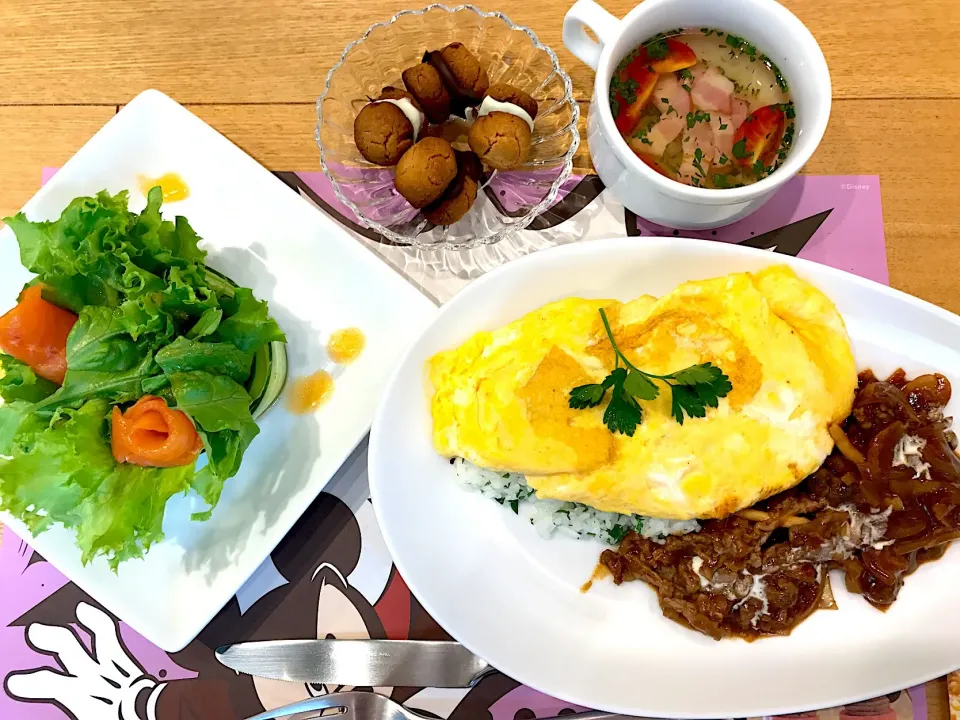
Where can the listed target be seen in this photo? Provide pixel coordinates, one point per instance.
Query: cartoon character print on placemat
(331, 577)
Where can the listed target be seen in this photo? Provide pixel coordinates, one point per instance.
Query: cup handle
(587, 14)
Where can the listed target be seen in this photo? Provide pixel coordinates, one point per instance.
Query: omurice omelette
(501, 400)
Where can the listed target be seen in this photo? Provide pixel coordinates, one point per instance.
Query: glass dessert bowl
(508, 200)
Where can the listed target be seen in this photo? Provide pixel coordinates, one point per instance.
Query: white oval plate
(514, 599)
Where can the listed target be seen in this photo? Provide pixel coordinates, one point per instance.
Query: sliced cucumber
(259, 373)
(276, 379)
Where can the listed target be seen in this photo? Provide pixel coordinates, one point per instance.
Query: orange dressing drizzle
(310, 392)
(173, 186)
(346, 345)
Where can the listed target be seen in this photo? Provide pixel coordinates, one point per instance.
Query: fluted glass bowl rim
(516, 224)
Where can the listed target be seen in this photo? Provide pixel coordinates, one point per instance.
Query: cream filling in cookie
(490, 105)
(413, 115)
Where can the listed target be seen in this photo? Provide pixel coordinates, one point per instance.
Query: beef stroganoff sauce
(703, 107)
(886, 500)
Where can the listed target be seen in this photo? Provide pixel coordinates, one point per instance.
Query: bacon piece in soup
(741, 108)
(654, 142)
(712, 91)
(670, 96)
(723, 128)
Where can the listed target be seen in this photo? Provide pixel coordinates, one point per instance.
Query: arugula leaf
(183, 355)
(248, 324)
(100, 341)
(224, 451)
(102, 361)
(82, 385)
(155, 385)
(206, 325)
(214, 402)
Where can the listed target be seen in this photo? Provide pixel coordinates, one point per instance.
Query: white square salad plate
(316, 278)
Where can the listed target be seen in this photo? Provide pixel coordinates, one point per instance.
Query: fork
(370, 706)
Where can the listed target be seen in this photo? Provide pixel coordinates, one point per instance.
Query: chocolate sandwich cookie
(461, 72)
(388, 126)
(501, 140)
(393, 93)
(509, 94)
(461, 193)
(424, 83)
(425, 171)
(383, 133)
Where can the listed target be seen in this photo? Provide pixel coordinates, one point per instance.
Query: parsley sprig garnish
(693, 390)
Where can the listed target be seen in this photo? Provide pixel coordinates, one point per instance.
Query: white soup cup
(772, 28)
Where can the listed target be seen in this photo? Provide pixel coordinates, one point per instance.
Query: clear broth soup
(703, 107)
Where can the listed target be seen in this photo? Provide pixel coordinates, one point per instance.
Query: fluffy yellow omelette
(501, 399)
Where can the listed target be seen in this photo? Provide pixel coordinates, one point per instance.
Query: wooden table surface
(253, 69)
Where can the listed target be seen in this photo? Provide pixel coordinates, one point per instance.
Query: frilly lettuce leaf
(247, 324)
(19, 382)
(63, 471)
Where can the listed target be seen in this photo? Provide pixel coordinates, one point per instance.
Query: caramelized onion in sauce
(886, 500)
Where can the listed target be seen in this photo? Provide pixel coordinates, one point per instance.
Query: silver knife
(360, 663)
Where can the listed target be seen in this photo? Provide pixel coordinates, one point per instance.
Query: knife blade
(360, 663)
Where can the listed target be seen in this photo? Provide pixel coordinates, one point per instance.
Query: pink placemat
(332, 575)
